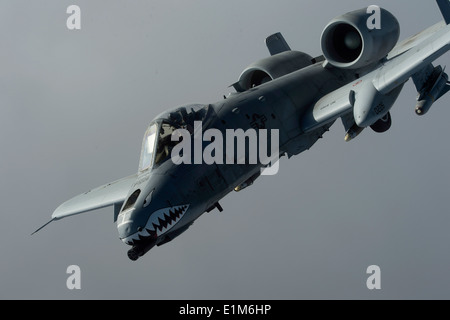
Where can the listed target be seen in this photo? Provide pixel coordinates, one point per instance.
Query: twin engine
(347, 43)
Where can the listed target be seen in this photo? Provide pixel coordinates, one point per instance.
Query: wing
(110, 194)
(405, 45)
(400, 68)
(409, 59)
(113, 193)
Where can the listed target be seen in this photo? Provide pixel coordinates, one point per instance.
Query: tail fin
(444, 6)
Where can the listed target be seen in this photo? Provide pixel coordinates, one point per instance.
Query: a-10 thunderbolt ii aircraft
(357, 79)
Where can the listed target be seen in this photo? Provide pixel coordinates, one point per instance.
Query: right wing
(113, 193)
(110, 194)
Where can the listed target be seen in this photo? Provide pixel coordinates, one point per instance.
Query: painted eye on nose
(148, 199)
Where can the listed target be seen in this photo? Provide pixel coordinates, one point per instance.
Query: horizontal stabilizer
(444, 6)
(277, 44)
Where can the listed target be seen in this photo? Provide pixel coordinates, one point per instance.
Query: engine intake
(272, 68)
(348, 43)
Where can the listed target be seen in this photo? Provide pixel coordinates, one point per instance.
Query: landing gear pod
(371, 105)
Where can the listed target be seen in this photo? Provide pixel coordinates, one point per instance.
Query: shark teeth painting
(158, 223)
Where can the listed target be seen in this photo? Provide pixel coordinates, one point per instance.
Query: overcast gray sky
(74, 108)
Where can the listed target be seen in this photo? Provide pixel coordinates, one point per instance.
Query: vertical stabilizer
(444, 6)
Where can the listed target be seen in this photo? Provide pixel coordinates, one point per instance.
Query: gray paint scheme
(302, 103)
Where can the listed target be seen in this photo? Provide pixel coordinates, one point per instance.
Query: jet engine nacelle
(270, 68)
(348, 43)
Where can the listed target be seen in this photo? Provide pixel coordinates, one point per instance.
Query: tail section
(277, 44)
(444, 6)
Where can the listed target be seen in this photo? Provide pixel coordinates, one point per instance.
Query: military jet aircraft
(357, 79)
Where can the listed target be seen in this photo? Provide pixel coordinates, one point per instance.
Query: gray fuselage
(193, 189)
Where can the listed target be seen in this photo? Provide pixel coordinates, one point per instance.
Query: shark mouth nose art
(159, 223)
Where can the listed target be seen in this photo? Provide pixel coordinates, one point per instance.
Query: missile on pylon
(429, 96)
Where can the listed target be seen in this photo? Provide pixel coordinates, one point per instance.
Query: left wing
(110, 194)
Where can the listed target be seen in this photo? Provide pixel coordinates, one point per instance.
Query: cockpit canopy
(157, 144)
